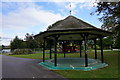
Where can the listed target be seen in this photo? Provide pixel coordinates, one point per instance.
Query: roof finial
(70, 9)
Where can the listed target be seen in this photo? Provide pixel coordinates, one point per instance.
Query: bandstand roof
(71, 28)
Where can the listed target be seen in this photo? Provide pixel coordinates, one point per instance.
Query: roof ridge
(70, 22)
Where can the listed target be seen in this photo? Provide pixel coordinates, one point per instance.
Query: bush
(22, 51)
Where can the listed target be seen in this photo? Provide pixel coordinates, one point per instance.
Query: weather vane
(70, 9)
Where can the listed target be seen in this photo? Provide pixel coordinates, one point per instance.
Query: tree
(16, 43)
(3, 47)
(30, 41)
(111, 18)
(24, 44)
(107, 42)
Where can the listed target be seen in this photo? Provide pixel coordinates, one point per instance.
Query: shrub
(22, 51)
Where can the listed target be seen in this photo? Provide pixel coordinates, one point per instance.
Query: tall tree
(31, 42)
(16, 43)
(111, 18)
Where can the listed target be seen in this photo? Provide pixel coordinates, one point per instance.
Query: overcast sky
(19, 18)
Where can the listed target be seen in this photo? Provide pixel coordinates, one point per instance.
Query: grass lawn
(110, 57)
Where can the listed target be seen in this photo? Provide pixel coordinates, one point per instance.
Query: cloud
(58, 0)
(4, 38)
(29, 17)
(64, 7)
(72, 6)
(88, 5)
(25, 18)
(49, 0)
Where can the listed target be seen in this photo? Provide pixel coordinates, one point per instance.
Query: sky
(19, 18)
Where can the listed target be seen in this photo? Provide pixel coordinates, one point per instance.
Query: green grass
(40, 55)
(31, 56)
(111, 71)
(110, 57)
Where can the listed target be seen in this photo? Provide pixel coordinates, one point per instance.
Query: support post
(50, 50)
(101, 43)
(95, 49)
(80, 43)
(55, 53)
(64, 49)
(85, 44)
(44, 50)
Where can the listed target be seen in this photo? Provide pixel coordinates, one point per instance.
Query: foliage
(30, 41)
(107, 43)
(22, 51)
(2, 47)
(91, 43)
(111, 18)
(39, 41)
(16, 43)
(98, 47)
(117, 37)
(24, 45)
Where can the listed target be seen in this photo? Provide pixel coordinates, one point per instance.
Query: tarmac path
(13, 67)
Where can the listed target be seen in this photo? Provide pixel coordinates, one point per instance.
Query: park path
(13, 67)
